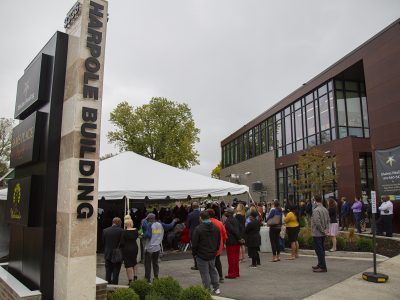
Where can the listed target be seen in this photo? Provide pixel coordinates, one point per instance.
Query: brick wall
(101, 291)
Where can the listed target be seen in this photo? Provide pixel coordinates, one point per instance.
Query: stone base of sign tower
(12, 289)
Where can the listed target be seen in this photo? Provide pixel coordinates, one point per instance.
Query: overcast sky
(230, 60)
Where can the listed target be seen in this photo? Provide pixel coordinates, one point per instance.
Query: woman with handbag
(130, 249)
(274, 221)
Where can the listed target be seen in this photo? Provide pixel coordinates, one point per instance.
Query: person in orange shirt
(224, 236)
(293, 228)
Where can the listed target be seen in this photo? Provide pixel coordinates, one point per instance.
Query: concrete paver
(355, 287)
(281, 280)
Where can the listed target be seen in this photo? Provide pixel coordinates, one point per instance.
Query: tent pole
(249, 197)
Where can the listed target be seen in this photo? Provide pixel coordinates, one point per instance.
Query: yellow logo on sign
(16, 199)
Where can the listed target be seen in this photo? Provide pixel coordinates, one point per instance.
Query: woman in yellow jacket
(293, 228)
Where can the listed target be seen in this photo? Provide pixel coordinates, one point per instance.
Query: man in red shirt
(224, 236)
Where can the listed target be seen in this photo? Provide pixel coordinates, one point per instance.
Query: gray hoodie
(157, 234)
(319, 221)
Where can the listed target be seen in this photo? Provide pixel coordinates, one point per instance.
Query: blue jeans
(357, 220)
(320, 250)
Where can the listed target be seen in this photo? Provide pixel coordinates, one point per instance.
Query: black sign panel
(26, 140)
(18, 198)
(33, 87)
(388, 172)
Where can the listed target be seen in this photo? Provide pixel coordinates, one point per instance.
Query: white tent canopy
(136, 177)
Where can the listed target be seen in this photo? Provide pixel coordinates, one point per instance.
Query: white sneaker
(217, 292)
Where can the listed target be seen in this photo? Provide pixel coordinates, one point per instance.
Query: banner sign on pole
(388, 172)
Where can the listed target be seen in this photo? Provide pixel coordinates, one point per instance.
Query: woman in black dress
(130, 249)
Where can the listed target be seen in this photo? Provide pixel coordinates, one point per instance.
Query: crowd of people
(211, 227)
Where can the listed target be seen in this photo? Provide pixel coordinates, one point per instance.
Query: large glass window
(299, 124)
(366, 174)
(365, 111)
(324, 112)
(286, 189)
(263, 136)
(310, 119)
(278, 138)
(245, 146)
(256, 141)
(251, 144)
(341, 109)
(288, 129)
(336, 109)
(352, 109)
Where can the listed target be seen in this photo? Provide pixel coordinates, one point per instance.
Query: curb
(221, 298)
(343, 254)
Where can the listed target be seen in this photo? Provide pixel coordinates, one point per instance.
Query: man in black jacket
(193, 221)
(205, 245)
(111, 238)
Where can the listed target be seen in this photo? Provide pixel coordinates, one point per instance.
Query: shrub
(122, 294)
(305, 237)
(167, 287)
(303, 222)
(300, 239)
(309, 242)
(153, 295)
(364, 245)
(195, 292)
(340, 243)
(141, 287)
(352, 237)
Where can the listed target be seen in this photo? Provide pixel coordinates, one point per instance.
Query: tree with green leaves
(315, 173)
(216, 172)
(108, 155)
(162, 130)
(6, 126)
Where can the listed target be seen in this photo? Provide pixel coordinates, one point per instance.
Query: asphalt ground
(272, 280)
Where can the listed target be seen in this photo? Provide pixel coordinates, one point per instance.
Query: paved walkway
(280, 280)
(355, 287)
